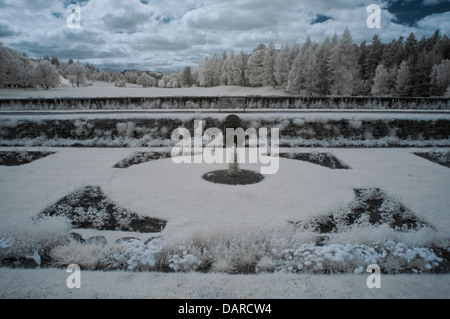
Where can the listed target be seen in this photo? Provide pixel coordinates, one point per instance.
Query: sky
(167, 35)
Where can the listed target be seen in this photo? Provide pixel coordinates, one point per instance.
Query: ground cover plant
(370, 206)
(322, 159)
(17, 158)
(88, 207)
(373, 228)
(441, 158)
(141, 157)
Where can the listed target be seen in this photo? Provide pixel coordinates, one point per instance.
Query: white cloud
(439, 21)
(162, 32)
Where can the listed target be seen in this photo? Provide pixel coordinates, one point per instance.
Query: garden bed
(440, 158)
(141, 157)
(323, 245)
(88, 207)
(337, 130)
(322, 159)
(17, 158)
(370, 207)
(243, 177)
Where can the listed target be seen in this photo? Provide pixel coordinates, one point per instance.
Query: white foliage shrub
(20, 237)
(92, 215)
(134, 255)
(126, 129)
(391, 257)
(184, 261)
(265, 264)
(81, 128)
(263, 249)
(88, 257)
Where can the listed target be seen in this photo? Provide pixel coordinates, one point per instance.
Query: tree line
(17, 70)
(337, 66)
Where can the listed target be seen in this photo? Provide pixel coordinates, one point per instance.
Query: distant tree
(410, 47)
(404, 87)
(393, 54)
(27, 75)
(11, 65)
(104, 76)
(120, 81)
(303, 74)
(443, 48)
(282, 67)
(270, 56)
(13, 70)
(310, 71)
(161, 84)
(260, 47)
(153, 81)
(363, 85)
(440, 77)
(226, 76)
(295, 79)
(144, 80)
(209, 71)
(217, 69)
(54, 61)
(204, 72)
(187, 79)
(240, 65)
(255, 68)
(131, 76)
(447, 92)
(381, 82)
(46, 75)
(421, 75)
(392, 80)
(295, 50)
(374, 56)
(343, 65)
(94, 76)
(77, 74)
(324, 68)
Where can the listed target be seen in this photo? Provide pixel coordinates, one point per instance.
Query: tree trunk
(233, 168)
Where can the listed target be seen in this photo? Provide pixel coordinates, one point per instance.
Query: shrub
(24, 237)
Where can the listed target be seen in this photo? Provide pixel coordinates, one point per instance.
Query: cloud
(321, 18)
(165, 34)
(5, 31)
(127, 19)
(433, 22)
(434, 2)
